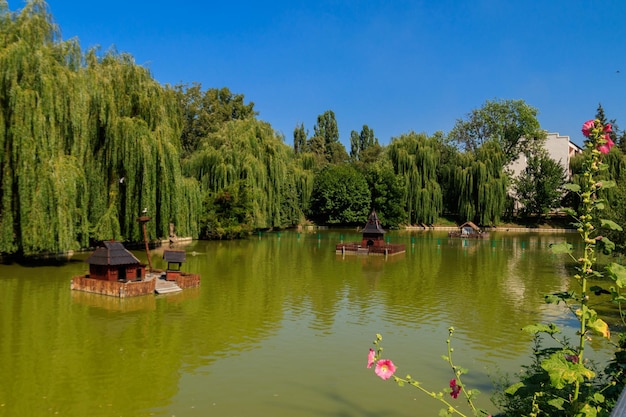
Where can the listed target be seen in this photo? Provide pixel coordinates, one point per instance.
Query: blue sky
(397, 66)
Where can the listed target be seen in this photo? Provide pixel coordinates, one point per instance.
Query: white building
(560, 148)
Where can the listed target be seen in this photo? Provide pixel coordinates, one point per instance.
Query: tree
(299, 139)
(512, 124)
(360, 143)
(87, 142)
(479, 185)
(354, 145)
(415, 158)
(205, 113)
(248, 155)
(340, 196)
(539, 188)
(326, 138)
(387, 190)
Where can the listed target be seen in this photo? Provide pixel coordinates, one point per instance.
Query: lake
(280, 326)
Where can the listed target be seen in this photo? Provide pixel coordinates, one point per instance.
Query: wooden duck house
(112, 262)
(372, 241)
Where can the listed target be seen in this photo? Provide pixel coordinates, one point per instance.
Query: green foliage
(249, 152)
(88, 142)
(479, 185)
(340, 196)
(512, 124)
(299, 139)
(539, 188)
(325, 140)
(206, 112)
(561, 381)
(415, 158)
(387, 192)
(360, 143)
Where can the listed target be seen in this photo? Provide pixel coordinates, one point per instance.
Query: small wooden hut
(114, 271)
(373, 232)
(372, 241)
(469, 230)
(174, 259)
(112, 262)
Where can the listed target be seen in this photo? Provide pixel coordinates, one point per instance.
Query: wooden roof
(470, 224)
(171, 255)
(373, 225)
(113, 253)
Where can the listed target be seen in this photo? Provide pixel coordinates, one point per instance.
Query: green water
(280, 326)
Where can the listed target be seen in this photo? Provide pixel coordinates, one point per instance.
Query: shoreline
(497, 229)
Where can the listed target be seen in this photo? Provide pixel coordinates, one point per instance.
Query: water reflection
(279, 326)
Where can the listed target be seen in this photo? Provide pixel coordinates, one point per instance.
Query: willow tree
(480, 184)
(249, 154)
(87, 142)
(415, 157)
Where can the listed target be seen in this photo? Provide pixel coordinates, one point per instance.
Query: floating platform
(153, 283)
(354, 248)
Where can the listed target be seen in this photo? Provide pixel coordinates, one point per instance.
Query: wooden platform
(165, 287)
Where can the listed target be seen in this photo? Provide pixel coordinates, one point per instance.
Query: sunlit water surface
(280, 326)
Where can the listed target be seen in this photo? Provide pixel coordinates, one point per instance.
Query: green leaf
(513, 388)
(608, 184)
(542, 328)
(560, 248)
(558, 297)
(610, 224)
(618, 273)
(570, 211)
(557, 403)
(575, 188)
(588, 411)
(599, 326)
(563, 372)
(606, 245)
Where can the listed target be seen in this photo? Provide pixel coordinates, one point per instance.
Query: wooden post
(143, 220)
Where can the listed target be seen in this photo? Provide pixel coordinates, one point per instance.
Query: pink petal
(371, 357)
(385, 368)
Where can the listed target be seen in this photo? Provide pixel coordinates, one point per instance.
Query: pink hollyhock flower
(607, 128)
(385, 368)
(456, 389)
(607, 145)
(587, 126)
(371, 357)
(571, 358)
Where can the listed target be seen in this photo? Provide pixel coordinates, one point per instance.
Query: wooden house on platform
(468, 230)
(112, 262)
(115, 271)
(372, 242)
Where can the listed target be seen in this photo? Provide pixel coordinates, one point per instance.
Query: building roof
(373, 225)
(469, 224)
(113, 253)
(171, 255)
